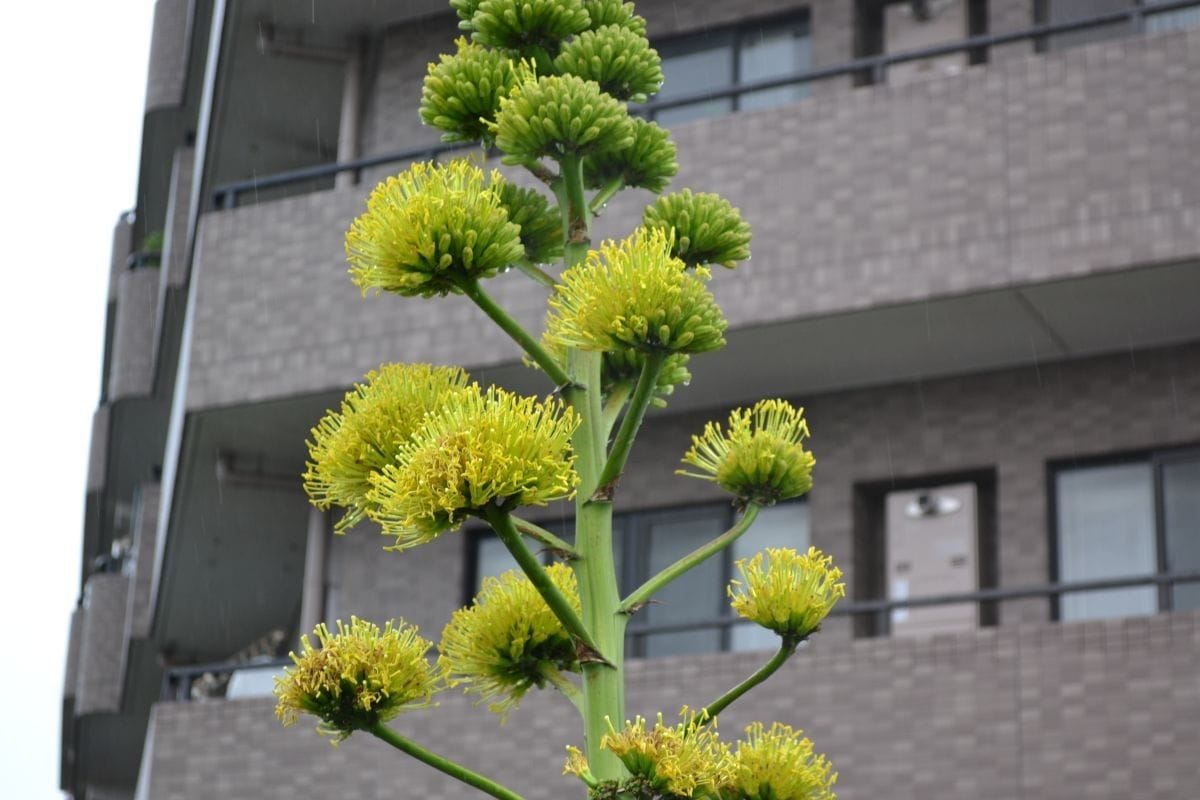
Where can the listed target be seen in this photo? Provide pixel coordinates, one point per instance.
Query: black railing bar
(884, 60)
(853, 608)
(846, 68)
(326, 170)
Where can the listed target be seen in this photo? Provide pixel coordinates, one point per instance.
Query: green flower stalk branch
(418, 451)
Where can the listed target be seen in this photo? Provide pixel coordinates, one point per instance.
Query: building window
(728, 57)
(694, 608)
(1126, 519)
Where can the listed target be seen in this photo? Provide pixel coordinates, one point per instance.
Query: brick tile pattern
(101, 646)
(167, 74)
(1102, 710)
(1035, 169)
(131, 373)
(141, 561)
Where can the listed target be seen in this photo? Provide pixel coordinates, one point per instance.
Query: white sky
(72, 81)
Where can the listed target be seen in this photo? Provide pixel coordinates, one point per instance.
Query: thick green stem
(577, 215)
(605, 194)
(545, 537)
(564, 685)
(603, 684)
(441, 764)
(473, 290)
(502, 522)
(642, 395)
(786, 649)
(647, 590)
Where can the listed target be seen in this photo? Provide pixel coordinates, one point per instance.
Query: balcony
(996, 217)
(1001, 713)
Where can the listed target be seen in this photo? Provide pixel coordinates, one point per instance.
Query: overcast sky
(72, 82)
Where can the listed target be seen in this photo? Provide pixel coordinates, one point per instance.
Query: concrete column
(349, 127)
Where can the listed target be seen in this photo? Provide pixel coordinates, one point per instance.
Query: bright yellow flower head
(633, 294)
(358, 677)
(376, 417)
(779, 764)
(684, 760)
(429, 230)
(761, 459)
(787, 592)
(508, 641)
(477, 449)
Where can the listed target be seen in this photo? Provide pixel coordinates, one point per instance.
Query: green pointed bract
(614, 12)
(633, 294)
(621, 61)
(541, 223)
(429, 230)
(560, 115)
(462, 92)
(648, 163)
(522, 27)
(708, 230)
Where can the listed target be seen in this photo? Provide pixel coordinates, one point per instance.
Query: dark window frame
(633, 528)
(1157, 459)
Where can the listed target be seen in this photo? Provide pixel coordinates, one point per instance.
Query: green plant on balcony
(420, 449)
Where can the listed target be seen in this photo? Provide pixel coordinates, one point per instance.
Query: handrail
(226, 195)
(883, 606)
(177, 680)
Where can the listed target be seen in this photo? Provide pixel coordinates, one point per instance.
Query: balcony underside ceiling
(235, 555)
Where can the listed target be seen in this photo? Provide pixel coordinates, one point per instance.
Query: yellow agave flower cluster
(760, 458)
(786, 592)
(689, 760)
(417, 450)
(358, 676)
(508, 641)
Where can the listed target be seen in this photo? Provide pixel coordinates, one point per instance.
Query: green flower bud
(430, 229)
(462, 92)
(541, 224)
(708, 230)
(560, 115)
(625, 365)
(761, 458)
(621, 61)
(614, 12)
(466, 11)
(508, 641)
(649, 163)
(635, 295)
(521, 25)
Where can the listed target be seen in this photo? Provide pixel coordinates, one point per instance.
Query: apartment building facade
(975, 264)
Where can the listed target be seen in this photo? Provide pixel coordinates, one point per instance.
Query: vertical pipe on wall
(348, 128)
(312, 600)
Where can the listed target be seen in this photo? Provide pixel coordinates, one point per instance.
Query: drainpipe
(312, 601)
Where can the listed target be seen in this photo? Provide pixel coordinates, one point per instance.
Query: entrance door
(932, 546)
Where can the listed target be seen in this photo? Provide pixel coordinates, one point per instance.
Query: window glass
(1106, 530)
(1178, 20)
(772, 53)
(784, 525)
(1181, 511)
(491, 559)
(695, 66)
(695, 597)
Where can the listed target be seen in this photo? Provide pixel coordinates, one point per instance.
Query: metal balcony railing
(221, 679)
(872, 68)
